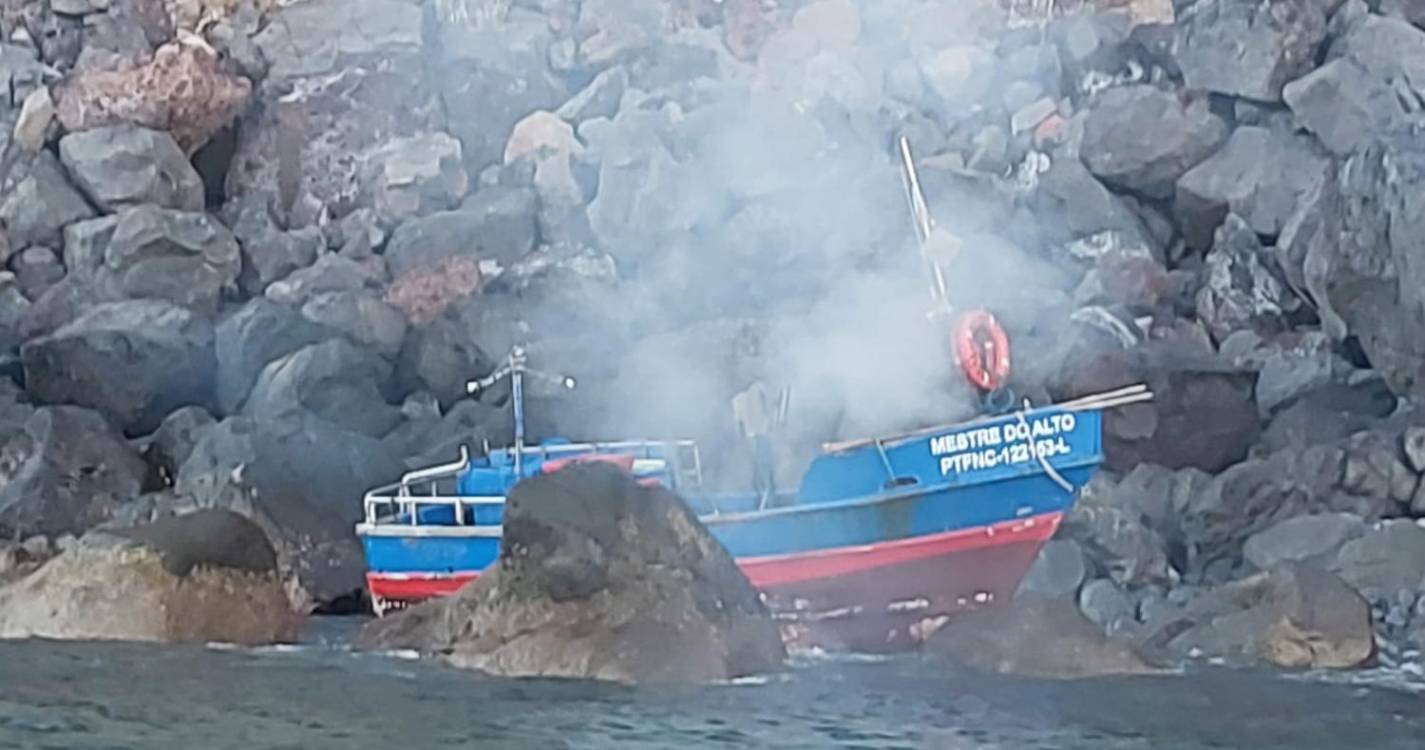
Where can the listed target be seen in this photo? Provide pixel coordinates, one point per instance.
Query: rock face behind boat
(207, 576)
(599, 578)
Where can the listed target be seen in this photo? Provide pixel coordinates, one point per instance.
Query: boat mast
(516, 367)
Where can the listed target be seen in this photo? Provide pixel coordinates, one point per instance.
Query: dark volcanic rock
(185, 258)
(36, 269)
(1293, 616)
(334, 380)
(39, 202)
(1370, 284)
(134, 361)
(1035, 636)
(331, 273)
(260, 332)
(492, 77)
(1143, 138)
(418, 176)
(1112, 523)
(601, 578)
(1242, 291)
(1260, 175)
(344, 77)
(363, 317)
(65, 472)
(496, 223)
(1058, 570)
(1384, 561)
(125, 165)
(268, 253)
(1248, 48)
(174, 440)
(1073, 205)
(199, 578)
(302, 480)
(1307, 539)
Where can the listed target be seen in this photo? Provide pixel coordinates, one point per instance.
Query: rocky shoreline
(252, 250)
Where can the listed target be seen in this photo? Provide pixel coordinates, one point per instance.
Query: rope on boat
(1043, 462)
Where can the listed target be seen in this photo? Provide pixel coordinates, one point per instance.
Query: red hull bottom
(875, 597)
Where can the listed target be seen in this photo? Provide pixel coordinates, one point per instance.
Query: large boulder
(1143, 138)
(186, 258)
(598, 577)
(200, 578)
(1260, 175)
(344, 78)
(417, 176)
(38, 202)
(182, 90)
(1368, 284)
(334, 380)
(258, 333)
(1309, 539)
(496, 223)
(1034, 636)
(1384, 561)
(127, 165)
(1363, 90)
(66, 469)
(1293, 616)
(133, 361)
(365, 318)
(1248, 48)
(301, 479)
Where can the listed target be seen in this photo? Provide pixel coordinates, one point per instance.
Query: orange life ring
(982, 349)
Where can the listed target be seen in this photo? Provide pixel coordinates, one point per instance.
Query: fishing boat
(880, 536)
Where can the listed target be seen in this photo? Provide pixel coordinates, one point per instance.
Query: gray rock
(1375, 467)
(1143, 138)
(295, 476)
(1366, 284)
(1073, 205)
(268, 253)
(85, 243)
(305, 150)
(417, 176)
(363, 317)
(436, 439)
(1296, 368)
(505, 220)
(1410, 10)
(334, 380)
(14, 312)
(125, 165)
(1120, 543)
(197, 578)
(331, 273)
(1387, 559)
(1248, 48)
(502, 228)
(36, 269)
(39, 202)
(598, 99)
(1058, 570)
(1413, 444)
(1106, 605)
(174, 440)
(1034, 636)
(134, 361)
(602, 586)
(1307, 539)
(442, 355)
(260, 332)
(1294, 616)
(490, 78)
(33, 125)
(1260, 175)
(1242, 292)
(68, 470)
(1345, 105)
(189, 259)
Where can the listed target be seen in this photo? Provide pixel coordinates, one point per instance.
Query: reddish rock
(182, 91)
(423, 294)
